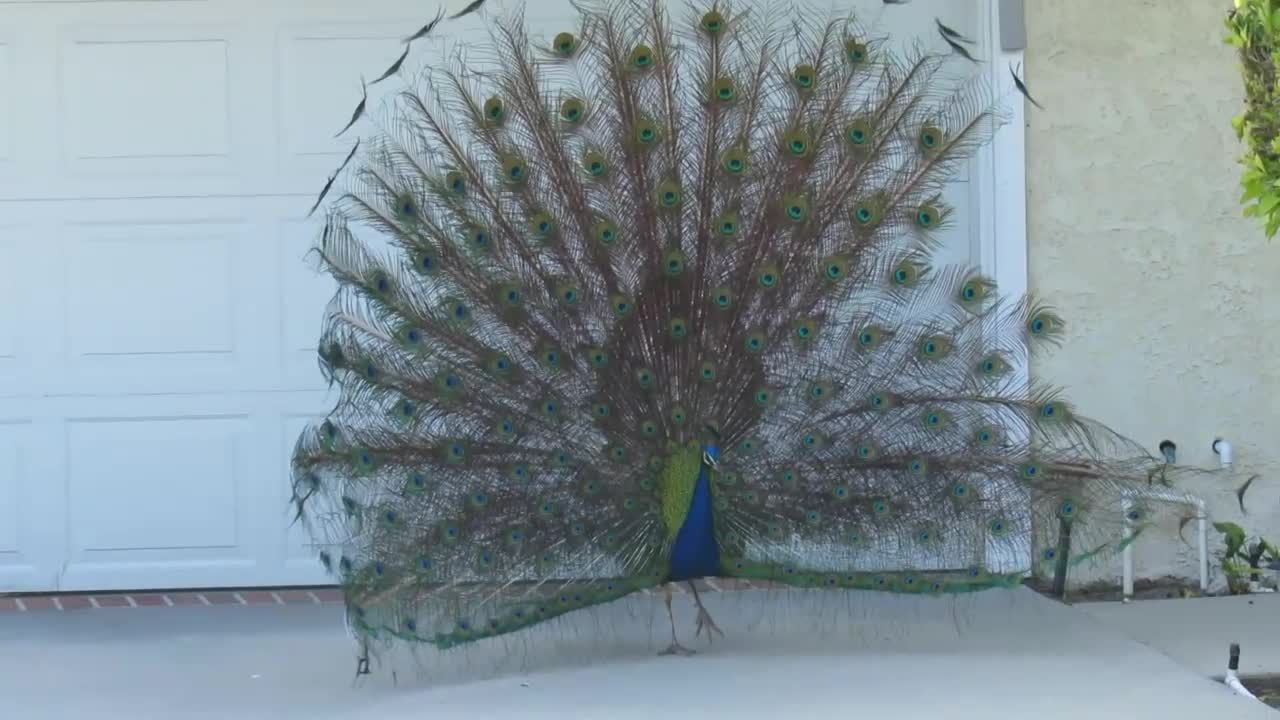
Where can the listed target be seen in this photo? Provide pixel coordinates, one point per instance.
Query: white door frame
(1002, 174)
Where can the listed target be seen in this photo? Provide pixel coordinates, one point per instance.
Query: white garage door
(157, 322)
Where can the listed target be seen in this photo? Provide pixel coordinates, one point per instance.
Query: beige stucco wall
(1173, 298)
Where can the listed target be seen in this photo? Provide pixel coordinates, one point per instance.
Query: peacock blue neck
(695, 553)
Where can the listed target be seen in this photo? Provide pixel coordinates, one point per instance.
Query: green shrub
(1254, 29)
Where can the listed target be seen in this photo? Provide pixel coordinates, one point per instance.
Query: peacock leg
(704, 618)
(676, 648)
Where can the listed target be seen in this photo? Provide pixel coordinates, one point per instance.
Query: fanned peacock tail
(652, 234)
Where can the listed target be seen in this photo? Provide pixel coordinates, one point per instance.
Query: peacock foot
(706, 623)
(677, 649)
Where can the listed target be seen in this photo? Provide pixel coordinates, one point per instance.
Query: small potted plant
(1241, 558)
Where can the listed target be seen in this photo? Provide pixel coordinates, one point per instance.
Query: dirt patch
(1163, 588)
(1266, 687)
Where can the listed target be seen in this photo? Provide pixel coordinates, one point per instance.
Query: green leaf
(1234, 536)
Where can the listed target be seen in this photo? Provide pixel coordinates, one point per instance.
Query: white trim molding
(1002, 176)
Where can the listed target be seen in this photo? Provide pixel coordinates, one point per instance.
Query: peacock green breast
(676, 485)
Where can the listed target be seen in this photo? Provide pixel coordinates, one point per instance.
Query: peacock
(651, 301)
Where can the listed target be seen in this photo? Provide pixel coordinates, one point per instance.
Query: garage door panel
(140, 290)
(29, 297)
(167, 491)
(7, 90)
(32, 534)
(13, 486)
(304, 293)
(166, 485)
(11, 292)
(320, 68)
(155, 307)
(148, 100)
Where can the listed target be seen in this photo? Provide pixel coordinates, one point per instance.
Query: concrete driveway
(787, 655)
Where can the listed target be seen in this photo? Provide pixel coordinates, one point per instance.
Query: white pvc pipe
(1223, 448)
(1232, 680)
(1163, 495)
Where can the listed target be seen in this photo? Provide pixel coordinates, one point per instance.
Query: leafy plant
(1254, 30)
(1240, 559)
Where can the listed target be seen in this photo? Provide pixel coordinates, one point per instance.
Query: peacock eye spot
(864, 215)
(900, 276)
(1037, 326)
(798, 146)
(857, 135)
(597, 168)
(924, 218)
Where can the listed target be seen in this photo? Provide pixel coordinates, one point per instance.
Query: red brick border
(68, 602)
